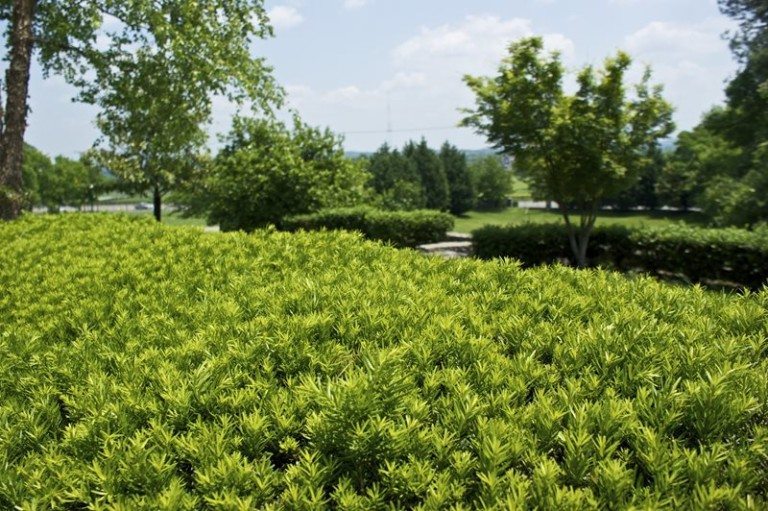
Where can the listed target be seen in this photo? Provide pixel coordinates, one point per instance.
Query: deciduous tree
(491, 181)
(129, 57)
(576, 149)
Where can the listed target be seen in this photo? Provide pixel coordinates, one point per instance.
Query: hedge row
(701, 255)
(152, 368)
(401, 228)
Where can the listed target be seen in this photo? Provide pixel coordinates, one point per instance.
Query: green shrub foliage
(700, 255)
(267, 171)
(400, 228)
(146, 367)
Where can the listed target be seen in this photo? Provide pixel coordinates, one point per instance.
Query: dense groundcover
(144, 367)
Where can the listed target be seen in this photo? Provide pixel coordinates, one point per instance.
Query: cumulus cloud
(667, 38)
(285, 17)
(690, 59)
(476, 43)
(425, 87)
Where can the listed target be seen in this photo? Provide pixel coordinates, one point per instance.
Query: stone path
(456, 245)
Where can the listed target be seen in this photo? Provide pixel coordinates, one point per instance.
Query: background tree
(202, 47)
(431, 172)
(36, 164)
(267, 171)
(152, 126)
(460, 186)
(720, 164)
(491, 181)
(701, 159)
(644, 192)
(577, 149)
(69, 182)
(395, 179)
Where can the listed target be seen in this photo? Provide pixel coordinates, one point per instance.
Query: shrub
(147, 367)
(401, 228)
(732, 255)
(267, 171)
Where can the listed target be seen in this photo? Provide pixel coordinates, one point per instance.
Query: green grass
(176, 220)
(515, 216)
(120, 198)
(520, 189)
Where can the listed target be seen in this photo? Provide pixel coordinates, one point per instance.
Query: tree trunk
(157, 208)
(579, 237)
(15, 118)
(581, 258)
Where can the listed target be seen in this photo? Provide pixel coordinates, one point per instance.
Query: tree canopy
(460, 186)
(575, 149)
(154, 68)
(720, 165)
(267, 171)
(431, 173)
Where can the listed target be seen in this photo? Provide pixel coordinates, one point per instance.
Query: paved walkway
(457, 245)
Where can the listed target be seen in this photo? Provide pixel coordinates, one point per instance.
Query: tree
(700, 159)
(462, 192)
(395, 179)
(200, 48)
(69, 182)
(575, 149)
(724, 157)
(266, 171)
(491, 181)
(644, 192)
(36, 164)
(152, 128)
(431, 172)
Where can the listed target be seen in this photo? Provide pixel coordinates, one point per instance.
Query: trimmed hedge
(401, 228)
(154, 368)
(701, 255)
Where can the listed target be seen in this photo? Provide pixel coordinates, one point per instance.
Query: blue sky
(346, 63)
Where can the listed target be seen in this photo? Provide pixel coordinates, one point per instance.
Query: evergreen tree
(431, 172)
(462, 191)
(395, 180)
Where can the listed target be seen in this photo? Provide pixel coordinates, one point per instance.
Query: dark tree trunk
(578, 236)
(15, 115)
(157, 204)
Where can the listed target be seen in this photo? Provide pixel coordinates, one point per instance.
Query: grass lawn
(520, 189)
(476, 219)
(176, 220)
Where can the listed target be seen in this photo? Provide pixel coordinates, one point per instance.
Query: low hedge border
(702, 255)
(401, 228)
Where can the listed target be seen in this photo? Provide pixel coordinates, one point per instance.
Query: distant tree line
(420, 177)
(268, 170)
(61, 181)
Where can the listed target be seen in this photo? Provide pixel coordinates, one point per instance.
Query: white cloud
(691, 60)
(476, 44)
(424, 87)
(285, 17)
(355, 4)
(661, 37)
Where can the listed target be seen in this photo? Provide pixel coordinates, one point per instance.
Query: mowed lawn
(476, 219)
